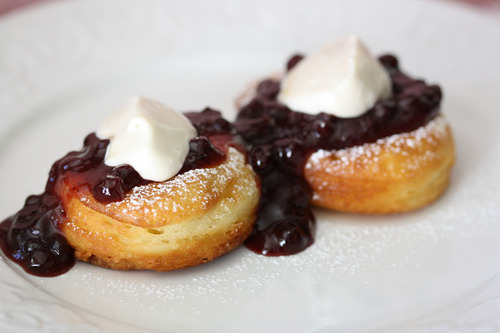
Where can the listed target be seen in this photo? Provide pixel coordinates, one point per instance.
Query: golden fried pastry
(188, 220)
(396, 156)
(395, 174)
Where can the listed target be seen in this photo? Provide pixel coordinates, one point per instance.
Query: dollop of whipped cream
(342, 79)
(149, 136)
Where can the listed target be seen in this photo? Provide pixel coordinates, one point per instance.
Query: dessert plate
(66, 65)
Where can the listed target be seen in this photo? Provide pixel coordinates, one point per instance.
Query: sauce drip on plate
(281, 140)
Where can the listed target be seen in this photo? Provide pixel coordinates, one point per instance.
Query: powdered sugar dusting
(192, 191)
(436, 128)
(399, 144)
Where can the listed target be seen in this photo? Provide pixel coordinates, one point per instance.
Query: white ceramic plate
(66, 65)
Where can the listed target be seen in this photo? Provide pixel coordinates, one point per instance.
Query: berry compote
(281, 140)
(32, 237)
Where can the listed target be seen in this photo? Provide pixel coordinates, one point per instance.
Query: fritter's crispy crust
(189, 220)
(396, 174)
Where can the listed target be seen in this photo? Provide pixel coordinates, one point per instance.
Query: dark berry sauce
(215, 134)
(32, 237)
(281, 140)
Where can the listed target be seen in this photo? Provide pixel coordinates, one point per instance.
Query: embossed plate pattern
(65, 65)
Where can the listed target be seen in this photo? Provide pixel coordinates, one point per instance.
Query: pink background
(491, 6)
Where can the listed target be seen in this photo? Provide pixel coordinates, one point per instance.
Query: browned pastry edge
(396, 174)
(200, 231)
